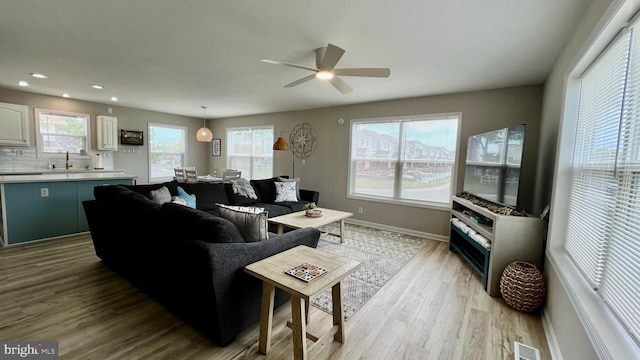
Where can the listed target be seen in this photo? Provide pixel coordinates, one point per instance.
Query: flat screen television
(492, 170)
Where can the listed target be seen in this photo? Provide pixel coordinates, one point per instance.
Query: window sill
(608, 337)
(403, 202)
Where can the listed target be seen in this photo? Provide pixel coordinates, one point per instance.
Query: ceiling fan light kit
(326, 60)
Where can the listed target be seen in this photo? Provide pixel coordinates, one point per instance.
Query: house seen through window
(408, 159)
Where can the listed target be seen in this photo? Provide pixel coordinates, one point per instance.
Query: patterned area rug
(382, 254)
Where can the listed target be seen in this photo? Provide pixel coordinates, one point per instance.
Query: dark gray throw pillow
(251, 221)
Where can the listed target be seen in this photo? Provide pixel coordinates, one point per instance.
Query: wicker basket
(522, 286)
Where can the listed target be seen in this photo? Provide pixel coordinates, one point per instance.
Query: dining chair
(230, 175)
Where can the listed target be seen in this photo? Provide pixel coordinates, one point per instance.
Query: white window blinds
(603, 230)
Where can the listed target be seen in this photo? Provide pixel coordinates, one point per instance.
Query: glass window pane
(59, 133)
(167, 145)
(429, 154)
(404, 159)
(250, 150)
(374, 177)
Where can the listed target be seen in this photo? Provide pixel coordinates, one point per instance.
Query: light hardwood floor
(434, 308)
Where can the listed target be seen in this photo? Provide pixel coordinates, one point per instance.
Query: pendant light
(204, 134)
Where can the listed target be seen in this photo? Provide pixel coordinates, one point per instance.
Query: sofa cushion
(160, 196)
(145, 189)
(200, 225)
(285, 191)
(189, 199)
(207, 194)
(126, 201)
(295, 180)
(274, 209)
(251, 221)
(293, 206)
(265, 189)
(239, 198)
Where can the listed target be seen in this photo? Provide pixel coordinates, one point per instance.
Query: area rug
(382, 254)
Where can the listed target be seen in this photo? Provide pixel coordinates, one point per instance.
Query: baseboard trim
(550, 334)
(398, 230)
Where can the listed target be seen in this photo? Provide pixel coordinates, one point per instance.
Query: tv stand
(510, 238)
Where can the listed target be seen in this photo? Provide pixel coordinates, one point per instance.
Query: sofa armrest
(234, 297)
(309, 195)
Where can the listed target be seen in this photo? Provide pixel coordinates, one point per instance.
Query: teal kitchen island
(49, 205)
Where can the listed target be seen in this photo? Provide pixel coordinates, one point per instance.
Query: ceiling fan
(326, 60)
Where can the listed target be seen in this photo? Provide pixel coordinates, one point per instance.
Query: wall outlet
(44, 192)
(110, 110)
(302, 162)
(359, 209)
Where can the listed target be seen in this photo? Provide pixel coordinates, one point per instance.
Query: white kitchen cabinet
(14, 125)
(107, 132)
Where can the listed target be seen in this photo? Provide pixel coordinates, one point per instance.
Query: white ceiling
(174, 56)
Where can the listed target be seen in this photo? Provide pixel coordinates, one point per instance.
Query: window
(407, 160)
(250, 150)
(59, 131)
(167, 150)
(599, 229)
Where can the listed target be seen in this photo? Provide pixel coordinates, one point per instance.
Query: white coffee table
(299, 220)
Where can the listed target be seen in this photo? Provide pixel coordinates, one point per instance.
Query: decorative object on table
(522, 286)
(204, 134)
(309, 207)
(215, 147)
(306, 272)
(326, 59)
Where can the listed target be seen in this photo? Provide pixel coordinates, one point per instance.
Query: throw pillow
(297, 181)
(252, 222)
(178, 200)
(286, 191)
(242, 192)
(243, 187)
(189, 199)
(161, 195)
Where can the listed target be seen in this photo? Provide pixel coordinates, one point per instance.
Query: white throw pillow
(295, 180)
(286, 191)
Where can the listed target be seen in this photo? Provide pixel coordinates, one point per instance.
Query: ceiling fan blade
(287, 64)
(300, 81)
(368, 72)
(340, 85)
(332, 55)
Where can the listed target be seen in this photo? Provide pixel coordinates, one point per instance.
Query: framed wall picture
(215, 147)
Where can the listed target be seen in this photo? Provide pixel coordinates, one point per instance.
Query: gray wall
(135, 163)
(327, 169)
(572, 338)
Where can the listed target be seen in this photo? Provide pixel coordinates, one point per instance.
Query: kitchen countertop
(62, 175)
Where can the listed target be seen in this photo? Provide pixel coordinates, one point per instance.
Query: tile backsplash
(20, 158)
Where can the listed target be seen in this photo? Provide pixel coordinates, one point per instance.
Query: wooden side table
(272, 272)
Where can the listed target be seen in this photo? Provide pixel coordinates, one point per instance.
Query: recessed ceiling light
(39, 76)
(113, 98)
(99, 87)
(324, 75)
(23, 83)
(65, 95)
